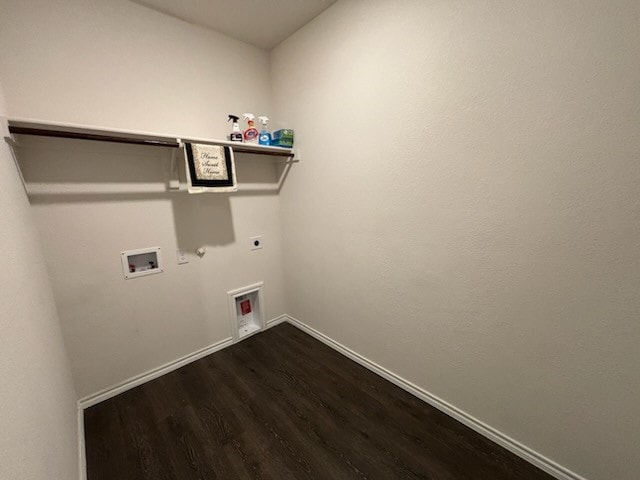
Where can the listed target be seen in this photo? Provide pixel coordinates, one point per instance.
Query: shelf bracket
(174, 170)
(6, 134)
(11, 141)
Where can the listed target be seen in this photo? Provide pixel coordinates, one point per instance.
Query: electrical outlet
(256, 242)
(182, 257)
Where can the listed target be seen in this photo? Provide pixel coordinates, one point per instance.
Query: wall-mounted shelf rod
(101, 135)
(42, 132)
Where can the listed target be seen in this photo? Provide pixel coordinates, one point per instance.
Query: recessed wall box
(247, 309)
(138, 263)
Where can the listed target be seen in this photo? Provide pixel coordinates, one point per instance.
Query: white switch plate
(256, 242)
(182, 257)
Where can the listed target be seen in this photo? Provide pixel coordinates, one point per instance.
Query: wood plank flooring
(282, 405)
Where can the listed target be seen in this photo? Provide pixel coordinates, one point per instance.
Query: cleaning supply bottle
(236, 134)
(251, 133)
(265, 135)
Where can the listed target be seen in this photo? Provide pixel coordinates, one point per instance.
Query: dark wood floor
(281, 405)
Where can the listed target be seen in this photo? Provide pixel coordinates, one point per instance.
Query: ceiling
(263, 23)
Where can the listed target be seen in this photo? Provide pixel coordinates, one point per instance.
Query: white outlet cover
(256, 243)
(182, 257)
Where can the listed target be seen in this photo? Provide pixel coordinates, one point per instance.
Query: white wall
(121, 65)
(467, 213)
(38, 423)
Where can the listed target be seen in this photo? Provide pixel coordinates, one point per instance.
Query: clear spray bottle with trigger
(265, 135)
(236, 134)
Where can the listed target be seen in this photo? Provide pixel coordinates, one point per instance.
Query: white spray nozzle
(249, 116)
(263, 120)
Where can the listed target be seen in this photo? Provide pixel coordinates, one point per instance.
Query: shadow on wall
(64, 167)
(59, 171)
(80, 166)
(203, 219)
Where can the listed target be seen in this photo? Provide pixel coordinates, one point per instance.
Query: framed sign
(210, 165)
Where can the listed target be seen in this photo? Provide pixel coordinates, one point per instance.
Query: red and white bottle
(251, 133)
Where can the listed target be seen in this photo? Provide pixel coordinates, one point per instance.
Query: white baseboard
(528, 454)
(138, 380)
(82, 453)
(110, 392)
(277, 321)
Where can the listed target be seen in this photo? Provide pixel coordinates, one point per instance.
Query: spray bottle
(236, 134)
(251, 133)
(265, 135)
